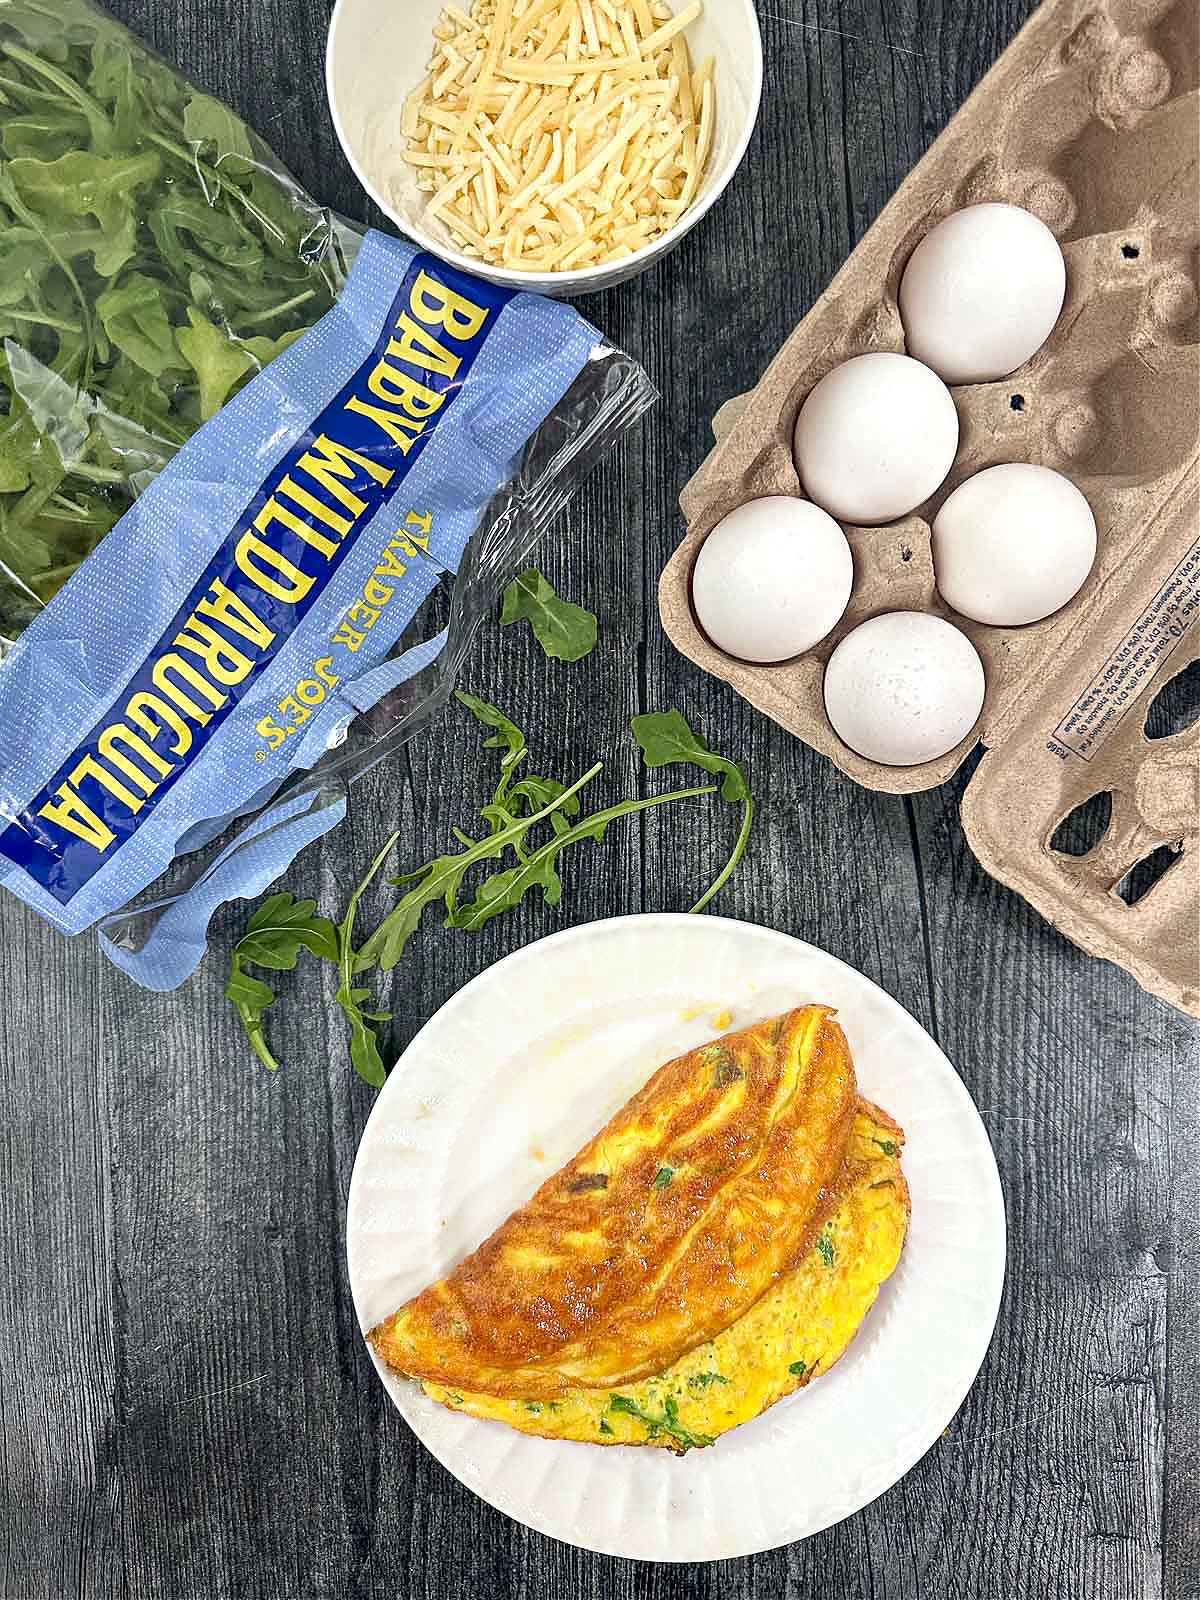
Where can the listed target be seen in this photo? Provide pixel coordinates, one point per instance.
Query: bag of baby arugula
(261, 476)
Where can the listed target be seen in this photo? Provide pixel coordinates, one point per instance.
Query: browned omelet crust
(663, 1230)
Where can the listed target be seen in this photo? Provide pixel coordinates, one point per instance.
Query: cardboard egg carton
(1089, 119)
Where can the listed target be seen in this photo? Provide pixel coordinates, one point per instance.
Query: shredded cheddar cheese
(554, 134)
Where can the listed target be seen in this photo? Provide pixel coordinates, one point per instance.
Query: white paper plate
(518, 1070)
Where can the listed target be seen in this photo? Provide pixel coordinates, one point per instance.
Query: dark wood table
(187, 1408)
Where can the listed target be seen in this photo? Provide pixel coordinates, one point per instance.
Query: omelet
(667, 1227)
(793, 1334)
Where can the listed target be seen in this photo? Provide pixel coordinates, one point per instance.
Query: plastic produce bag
(260, 479)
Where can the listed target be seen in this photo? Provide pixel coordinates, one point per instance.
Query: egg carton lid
(1088, 120)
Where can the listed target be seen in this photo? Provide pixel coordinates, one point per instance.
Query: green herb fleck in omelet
(701, 1380)
(725, 1066)
(667, 1423)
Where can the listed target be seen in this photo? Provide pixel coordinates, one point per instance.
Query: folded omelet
(668, 1226)
(795, 1332)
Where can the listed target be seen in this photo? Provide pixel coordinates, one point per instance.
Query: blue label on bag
(262, 580)
(249, 604)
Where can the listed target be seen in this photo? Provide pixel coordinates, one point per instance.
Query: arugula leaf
(532, 793)
(42, 137)
(250, 997)
(538, 793)
(510, 824)
(217, 362)
(100, 128)
(518, 806)
(207, 121)
(44, 31)
(280, 928)
(111, 77)
(131, 205)
(440, 880)
(668, 1422)
(265, 350)
(565, 631)
(110, 248)
(80, 182)
(507, 733)
(503, 890)
(507, 737)
(135, 319)
(665, 737)
(364, 1045)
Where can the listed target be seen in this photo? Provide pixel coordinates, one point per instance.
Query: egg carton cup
(1089, 120)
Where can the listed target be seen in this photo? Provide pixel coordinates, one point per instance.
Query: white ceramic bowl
(378, 51)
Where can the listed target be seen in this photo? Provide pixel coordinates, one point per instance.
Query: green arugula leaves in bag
(153, 257)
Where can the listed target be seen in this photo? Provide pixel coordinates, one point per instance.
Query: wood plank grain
(1073, 1069)
(57, 1313)
(186, 1405)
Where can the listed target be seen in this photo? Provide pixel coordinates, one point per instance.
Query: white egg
(875, 437)
(1012, 544)
(904, 688)
(772, 578)
(981, 292)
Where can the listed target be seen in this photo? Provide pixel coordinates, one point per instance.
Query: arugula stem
(586, 829)
(85, 469)
(364, 1046)
(739, 846)
(346, 953)
(76, 506)
(278, 311)
(51, 74)
(186, 157)
(210, 175)
(30, 90)
(256, 1034)
(452, 874)
(57, 575)
(23, 214)
(43, 320)
(257, 1040)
